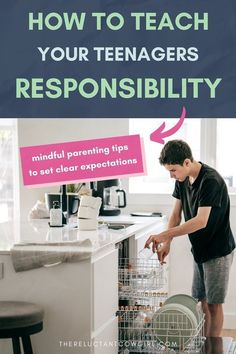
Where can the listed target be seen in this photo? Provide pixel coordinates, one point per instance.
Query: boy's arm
(196, 223)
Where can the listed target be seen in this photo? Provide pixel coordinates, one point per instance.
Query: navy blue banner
(117, 58)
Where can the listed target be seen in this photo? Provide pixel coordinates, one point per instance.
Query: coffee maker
(113, 197)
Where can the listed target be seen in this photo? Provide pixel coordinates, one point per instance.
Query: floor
(229, 333)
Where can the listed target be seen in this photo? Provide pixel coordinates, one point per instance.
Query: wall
(42, 131)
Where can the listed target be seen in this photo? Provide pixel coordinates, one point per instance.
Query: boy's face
(179, 172)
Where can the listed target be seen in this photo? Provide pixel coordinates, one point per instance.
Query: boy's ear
(187, 162)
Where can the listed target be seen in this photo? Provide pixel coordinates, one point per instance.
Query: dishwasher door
(229, 345)
(232, 348)
(219, 345)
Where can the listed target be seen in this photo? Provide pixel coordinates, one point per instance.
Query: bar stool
(20, 320)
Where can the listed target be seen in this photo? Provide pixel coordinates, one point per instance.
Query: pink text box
(81, 161)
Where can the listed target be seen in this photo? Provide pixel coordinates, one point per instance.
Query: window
(225, 153)
(157, 179)
(212, 141)
(8, 169)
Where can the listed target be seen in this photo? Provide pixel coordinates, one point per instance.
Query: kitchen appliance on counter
(68, 202)
(113, 197)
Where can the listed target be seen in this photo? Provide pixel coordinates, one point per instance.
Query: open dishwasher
(144, 324)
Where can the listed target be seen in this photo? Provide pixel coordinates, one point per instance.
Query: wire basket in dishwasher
(144, 324)
(139, 277)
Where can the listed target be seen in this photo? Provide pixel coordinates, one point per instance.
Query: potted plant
(74, 187)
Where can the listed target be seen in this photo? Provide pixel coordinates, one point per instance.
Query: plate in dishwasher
(174, 325)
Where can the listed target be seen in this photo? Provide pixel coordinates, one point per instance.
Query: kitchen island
(80, 299)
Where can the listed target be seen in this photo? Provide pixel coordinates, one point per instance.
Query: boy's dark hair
(175, 152)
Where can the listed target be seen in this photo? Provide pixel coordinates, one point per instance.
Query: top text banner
(81, 161)
(117, 59)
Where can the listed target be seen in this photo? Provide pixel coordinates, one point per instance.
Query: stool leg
(27, 345)
(16, 345)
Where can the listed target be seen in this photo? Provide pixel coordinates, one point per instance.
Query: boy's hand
(163, 251)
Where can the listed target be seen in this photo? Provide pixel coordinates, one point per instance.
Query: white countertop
(38, 231)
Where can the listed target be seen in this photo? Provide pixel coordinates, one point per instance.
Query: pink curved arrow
(158, 135)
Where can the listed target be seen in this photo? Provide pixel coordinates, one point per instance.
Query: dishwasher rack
(141, 276)
(142, 329)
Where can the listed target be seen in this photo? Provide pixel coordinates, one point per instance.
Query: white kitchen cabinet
(79, 299)
(106, 341)
(105, 285)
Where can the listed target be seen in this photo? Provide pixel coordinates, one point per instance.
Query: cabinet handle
(51, 264)
(1, 270)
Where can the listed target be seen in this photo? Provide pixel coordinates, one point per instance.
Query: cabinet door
(64, 293)
(106, 342)
(105, 289)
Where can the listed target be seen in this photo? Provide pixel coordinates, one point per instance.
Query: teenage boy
(201, 194)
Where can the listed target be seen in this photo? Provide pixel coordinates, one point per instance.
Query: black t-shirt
(209, 189)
